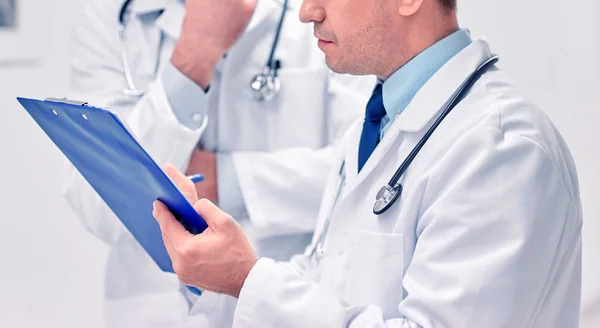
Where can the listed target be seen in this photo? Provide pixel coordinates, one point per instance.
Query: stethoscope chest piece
(265, 85)
(386, 197)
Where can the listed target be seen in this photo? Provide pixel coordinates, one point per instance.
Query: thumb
(214, 216)
(185, 185)
(171, 228)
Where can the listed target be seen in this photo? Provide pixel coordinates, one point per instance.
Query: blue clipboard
(117, 167)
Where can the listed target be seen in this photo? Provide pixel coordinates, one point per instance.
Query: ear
(409, 7)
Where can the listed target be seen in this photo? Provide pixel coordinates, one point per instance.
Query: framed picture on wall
(24, 31)
(8, 14)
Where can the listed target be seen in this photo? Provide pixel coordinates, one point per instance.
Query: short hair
(448, 5)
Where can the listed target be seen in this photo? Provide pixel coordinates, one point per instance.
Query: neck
(416, 40)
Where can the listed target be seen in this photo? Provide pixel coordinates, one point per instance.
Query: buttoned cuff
(187, 99)
(228, 188)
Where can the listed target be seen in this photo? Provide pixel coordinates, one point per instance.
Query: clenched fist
(210, 28)
(220, 258)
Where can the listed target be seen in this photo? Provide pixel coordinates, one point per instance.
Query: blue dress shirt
(401, 87)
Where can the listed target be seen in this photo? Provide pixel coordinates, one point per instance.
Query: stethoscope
(132, 90)
(389, 194)
(264, 85)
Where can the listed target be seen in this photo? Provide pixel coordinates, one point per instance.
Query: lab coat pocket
(375, 271)
(300, 117)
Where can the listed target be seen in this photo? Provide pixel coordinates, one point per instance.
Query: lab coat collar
(423, 108)
(141, 7)
(442, 85)
(172, 17)
(264, 8)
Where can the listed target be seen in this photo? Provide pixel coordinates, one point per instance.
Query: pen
(196, 178)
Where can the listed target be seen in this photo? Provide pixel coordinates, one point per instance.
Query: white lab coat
(281, 149)
(487, 232)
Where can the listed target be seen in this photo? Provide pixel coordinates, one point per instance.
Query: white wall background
(51, 269)
(553, 49)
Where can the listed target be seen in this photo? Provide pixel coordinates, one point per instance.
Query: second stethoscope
(264, 85)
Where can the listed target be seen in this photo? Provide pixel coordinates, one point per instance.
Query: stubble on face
(363, 40)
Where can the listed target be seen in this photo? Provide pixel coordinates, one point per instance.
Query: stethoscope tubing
(270, 63)
(458, 95)
(393, 185)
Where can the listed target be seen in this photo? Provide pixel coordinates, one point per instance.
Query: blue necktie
(371, 127)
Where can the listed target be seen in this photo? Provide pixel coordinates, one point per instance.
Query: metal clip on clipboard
(67, 101)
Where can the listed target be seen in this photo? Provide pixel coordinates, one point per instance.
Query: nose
(311, 11)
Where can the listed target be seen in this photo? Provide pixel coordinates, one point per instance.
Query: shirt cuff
(187, 99)
(228, 188)
(190, 297)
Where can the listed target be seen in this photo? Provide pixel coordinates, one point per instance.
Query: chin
(336, 66)
(342, 67)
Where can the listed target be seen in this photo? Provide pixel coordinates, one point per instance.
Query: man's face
(355, 35)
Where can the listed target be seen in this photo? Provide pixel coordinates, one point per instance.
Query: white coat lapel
(140, 7)
(424, 107)
(428, 102)
(351, 154)
(171, 19)
(141, 41)
(264, 8)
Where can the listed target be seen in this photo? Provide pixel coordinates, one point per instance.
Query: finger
(169, 246)
(175, 232)
(185, 185)
(214, 216)
(173, 254)
(166, 239)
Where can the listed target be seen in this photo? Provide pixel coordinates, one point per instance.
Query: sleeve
(229, 192)
(181, 92)
(279, 207)
(497, 241)
(158, 119)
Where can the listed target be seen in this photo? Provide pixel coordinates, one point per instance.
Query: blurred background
(52, 269)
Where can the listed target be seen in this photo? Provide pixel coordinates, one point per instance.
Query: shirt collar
(400, 88)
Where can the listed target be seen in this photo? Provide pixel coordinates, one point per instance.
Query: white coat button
(320, 252)
(196, 117)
